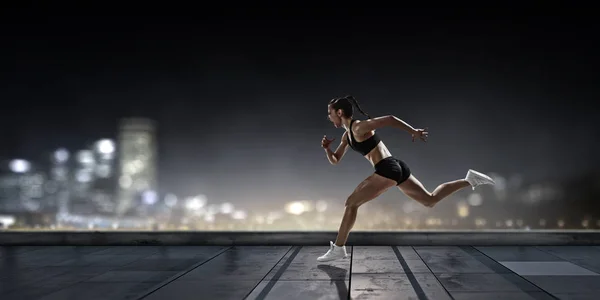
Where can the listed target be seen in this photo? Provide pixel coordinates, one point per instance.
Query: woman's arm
(390, 121)
(385, 121)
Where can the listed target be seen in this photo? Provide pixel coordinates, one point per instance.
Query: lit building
(59, 186)
(22, 187)
(137, 161)
(105, 178)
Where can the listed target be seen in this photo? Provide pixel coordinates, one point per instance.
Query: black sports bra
(365, 146)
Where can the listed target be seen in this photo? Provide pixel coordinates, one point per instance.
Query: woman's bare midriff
(378, 153)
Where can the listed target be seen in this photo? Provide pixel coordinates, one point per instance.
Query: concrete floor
(291, 272)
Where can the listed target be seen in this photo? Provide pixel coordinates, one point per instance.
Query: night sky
(241, 100)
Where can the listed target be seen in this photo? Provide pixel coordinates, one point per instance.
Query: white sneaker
(476, 178)
(334, 253)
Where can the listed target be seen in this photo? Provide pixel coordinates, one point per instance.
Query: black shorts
(393, 168)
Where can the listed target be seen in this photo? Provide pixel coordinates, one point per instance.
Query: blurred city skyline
(240, 103)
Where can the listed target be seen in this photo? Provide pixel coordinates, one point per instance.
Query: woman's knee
(425, 198)
(428, 199)
(353, 202)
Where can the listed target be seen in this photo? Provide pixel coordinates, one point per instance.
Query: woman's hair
(346, 105)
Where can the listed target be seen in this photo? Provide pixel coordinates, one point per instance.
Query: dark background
(240, 99)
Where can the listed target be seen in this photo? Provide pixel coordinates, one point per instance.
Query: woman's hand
(325, 142)
(420, 133)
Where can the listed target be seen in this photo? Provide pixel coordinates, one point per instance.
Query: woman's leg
(414, 189)
(366, 191)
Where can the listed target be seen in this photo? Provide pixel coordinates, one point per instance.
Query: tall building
(137, 161)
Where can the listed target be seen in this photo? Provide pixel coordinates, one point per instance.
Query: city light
(197, 202)
(209, 218)
(480, 222)
(83, 176)
(585, 223)
(105, 146)
(103, 171)
(6, 221)
(149, 197)
(239, 215)
(463, 210)
(295, 208)
(475, 199)
(321, 206)
(227, 208)
(85, 157)
(125, 181)
(61, 155)
(170, 200)
(19, 166)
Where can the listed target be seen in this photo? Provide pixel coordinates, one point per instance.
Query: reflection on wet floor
(292, 272)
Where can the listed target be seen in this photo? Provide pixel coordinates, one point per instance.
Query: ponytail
(357, 106)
